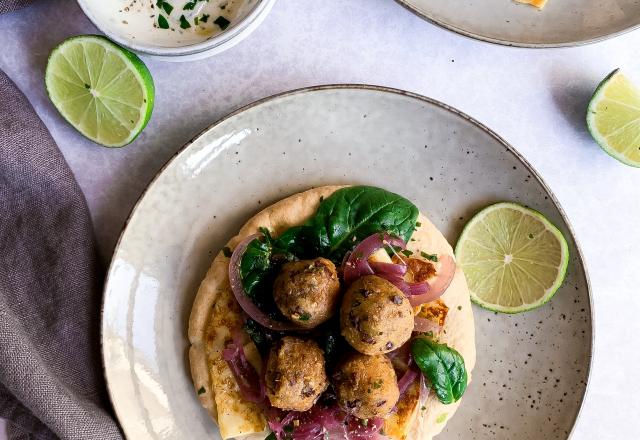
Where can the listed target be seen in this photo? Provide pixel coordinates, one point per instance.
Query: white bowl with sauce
(177, 30)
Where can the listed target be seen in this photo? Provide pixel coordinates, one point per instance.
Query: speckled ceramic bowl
(560, 23)
(237, 31)
(532, 369)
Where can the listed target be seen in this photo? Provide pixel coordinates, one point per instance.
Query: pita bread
(215, 311)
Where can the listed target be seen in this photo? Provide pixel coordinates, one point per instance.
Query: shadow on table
(571, 95)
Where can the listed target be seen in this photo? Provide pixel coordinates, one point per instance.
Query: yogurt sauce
(170, 23)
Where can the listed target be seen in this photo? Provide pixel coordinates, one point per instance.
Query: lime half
(613, 118)
(102, 89)
(514, 259)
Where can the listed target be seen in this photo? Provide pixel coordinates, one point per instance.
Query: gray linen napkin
(51, 382)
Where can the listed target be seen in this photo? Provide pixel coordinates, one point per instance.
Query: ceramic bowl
(532, 369)
(560, 23)
(233, 35)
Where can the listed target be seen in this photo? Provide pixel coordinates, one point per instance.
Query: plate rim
(500, 42)
(349, 86)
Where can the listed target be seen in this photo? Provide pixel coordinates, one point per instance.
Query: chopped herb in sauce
(226, 251)
(166, 6)
(418, 224)
(201, 391)
(204, 18)
(162, 22)
(190, 6)
(430, 257)
(305, 317)
(184, 23)
(222, 22)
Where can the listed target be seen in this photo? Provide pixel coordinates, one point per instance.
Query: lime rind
(562, 268)
(598, 95)
(135, 66)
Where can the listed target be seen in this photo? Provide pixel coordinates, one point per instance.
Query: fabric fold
(51, 379)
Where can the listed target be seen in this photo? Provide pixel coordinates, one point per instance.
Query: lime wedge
(102, 89)
(613, 118)
(514, 259)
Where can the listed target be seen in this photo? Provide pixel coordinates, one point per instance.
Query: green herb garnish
(190, 5)
(162, 22)
(184, 23)
(418, 224)
(430, 257)
(305, 317)
(226, 251)
(204, 18)
(271, 436)
(222, 22)
(406, 252)
(201, 390)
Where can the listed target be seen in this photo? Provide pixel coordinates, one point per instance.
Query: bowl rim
(377, 88)
(236, 30)
(465, 33)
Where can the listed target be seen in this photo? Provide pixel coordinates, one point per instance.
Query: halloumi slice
(537, 3)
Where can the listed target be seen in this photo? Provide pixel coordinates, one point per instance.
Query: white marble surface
(535, 99)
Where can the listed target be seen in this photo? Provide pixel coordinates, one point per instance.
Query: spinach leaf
(443, 367)
(331, 342)
(261, 337)
(255, 265)
(263, 257)
(352, 214)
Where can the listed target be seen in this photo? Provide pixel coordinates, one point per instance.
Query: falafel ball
(307, 291)
(295, 375)
(375, 316)
(366, 385)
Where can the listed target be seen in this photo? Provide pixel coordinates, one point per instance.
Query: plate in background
(560, 23)
(532, 369)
